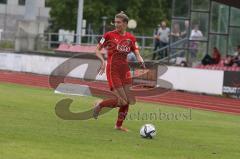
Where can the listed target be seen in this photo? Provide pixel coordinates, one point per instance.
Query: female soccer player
(118, 44)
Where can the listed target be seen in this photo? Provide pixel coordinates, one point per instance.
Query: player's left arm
(139, 58)
(136, 51)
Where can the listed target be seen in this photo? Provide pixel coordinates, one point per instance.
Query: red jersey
(118, 46)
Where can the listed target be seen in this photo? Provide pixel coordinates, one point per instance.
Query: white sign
(194, 80)
(44, 65)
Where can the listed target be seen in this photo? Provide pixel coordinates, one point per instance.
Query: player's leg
(123, 110)
(122, 113)
(111, 102)
(119, 99)
(130, 96)
(122, 103)
(123, 90)
(107, 103)
(114, 78)
(121, 95)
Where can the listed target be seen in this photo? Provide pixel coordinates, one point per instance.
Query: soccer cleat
(96, 110)
(121, 129)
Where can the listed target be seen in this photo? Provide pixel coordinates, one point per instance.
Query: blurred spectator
(228, 61)
(183, 64)
(175, 34)
(163, 33)
(156, 41)
(185, 33)
(215, 59)
(237, 53)
(196, 34)
(236, 60)
(236, 63)
(216, 55)
(233, 60)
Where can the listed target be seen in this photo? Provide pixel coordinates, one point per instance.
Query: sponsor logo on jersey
(123, 48)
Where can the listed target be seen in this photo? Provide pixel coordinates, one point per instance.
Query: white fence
(188, 79)
(195, 80)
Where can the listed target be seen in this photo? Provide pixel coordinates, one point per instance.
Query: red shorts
(118, 77)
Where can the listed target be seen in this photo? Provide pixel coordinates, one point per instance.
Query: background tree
(147, 13)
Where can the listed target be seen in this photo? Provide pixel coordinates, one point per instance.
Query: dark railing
(172, 46)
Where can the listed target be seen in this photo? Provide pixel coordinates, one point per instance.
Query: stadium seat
(63, 47)
(219, 66)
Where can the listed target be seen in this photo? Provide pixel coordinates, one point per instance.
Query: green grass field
(30, 129)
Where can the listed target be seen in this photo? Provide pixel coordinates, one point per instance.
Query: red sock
(122, 113)
(110, 103)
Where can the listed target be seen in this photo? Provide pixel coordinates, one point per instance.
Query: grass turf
(29, 128)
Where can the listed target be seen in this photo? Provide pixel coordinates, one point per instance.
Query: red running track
(171, 98)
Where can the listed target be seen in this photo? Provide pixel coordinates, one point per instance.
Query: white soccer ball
(148, 131)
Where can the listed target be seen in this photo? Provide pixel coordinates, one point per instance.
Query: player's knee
(125, 103)
(122, 102)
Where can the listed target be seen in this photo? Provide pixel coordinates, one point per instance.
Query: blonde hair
(123, 16)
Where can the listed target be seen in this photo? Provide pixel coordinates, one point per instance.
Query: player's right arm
(99, 54)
